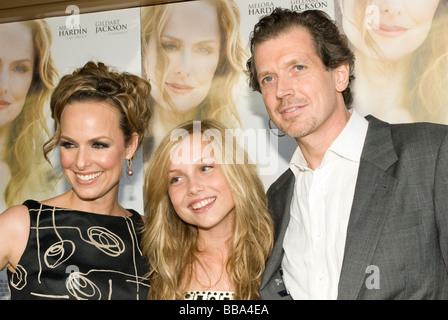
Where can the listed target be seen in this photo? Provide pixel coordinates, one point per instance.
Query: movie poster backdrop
(112, 37)
(194, 55)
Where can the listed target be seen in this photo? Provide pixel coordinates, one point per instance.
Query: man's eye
(299, 68)
(268, 79)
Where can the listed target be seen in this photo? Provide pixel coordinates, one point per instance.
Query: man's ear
(342, 74)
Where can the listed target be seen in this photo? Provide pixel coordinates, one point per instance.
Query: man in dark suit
(362, 213)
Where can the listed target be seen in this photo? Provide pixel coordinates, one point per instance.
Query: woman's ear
(132, 148)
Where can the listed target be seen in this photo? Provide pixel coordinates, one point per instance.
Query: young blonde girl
(171, 245)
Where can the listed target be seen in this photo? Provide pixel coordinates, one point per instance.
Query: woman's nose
(391, 7)
(3, 81)
(184, 63)
(83, 159)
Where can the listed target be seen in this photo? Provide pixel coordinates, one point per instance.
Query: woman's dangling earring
(273, 132)
(129, 172)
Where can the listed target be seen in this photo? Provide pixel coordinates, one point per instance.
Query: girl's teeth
(203, 203)
(88, 176)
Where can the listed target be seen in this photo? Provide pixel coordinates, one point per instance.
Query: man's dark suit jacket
(398, 224)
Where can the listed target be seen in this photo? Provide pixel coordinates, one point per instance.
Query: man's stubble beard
(299, 129)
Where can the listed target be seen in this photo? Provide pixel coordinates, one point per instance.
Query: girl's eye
(174, 180)
(206, 168)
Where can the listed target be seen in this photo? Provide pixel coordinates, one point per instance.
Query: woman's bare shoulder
(14, 233)
(14, 214)
(14, 222)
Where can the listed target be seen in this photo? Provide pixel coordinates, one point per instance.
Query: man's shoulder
(410, 129)
(417, 127)
(284, 180)
(420, 135)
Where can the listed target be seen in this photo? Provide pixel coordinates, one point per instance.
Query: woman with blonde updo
(83, 244)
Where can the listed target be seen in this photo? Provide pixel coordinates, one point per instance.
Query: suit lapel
(279, 205)
(371, 203)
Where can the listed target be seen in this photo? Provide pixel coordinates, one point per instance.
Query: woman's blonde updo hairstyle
(95, 82)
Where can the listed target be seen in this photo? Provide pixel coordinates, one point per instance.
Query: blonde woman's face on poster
(398, 27)
(16, 69)
(191, 42)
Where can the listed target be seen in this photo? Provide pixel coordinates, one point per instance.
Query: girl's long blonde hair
(170, 244)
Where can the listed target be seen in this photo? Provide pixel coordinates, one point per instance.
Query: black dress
(80, 255)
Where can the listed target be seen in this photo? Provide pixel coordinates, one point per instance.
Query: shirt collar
(348, 144)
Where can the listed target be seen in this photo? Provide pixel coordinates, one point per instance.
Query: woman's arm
(14, 232)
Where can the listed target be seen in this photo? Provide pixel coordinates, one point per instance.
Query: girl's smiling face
(198, 189)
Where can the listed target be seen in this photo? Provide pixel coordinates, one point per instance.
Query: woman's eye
(21, 69)
(169, 46)
(207, 50)
(66, 144)
(100, 145)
